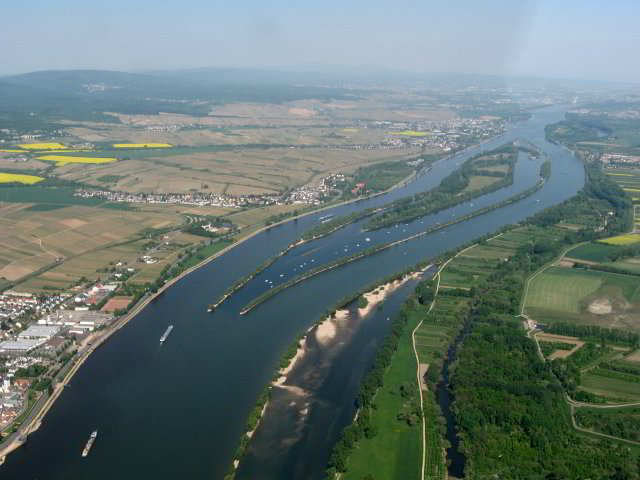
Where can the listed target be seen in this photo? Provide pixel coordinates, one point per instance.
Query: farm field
(584, 296)
(259, 215)
(476, 182)
(19, 178)
(558, 346)
(42, 146)
(472, 266)
(33, 237)
(611, 388)
(239, 171)
(591, 252)
(37, 195)
(630, 265)
(626, 239)
(142, 145)
(308, 135)
(62, 160)
(410, 133)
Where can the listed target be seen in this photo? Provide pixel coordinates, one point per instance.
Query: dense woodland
(509, 407)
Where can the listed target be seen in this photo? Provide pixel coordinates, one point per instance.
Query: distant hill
(85, 94)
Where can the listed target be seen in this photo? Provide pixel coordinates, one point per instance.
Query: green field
(205, 252)
(593, 252)
(631, 265)
(612, 388)
(396, 451)
(54, 195)
(560, 289)
(472, 266)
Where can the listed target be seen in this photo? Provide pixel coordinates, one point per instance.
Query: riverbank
(34, 422)
(27, 428)
(70, 371)
(383, 246)
(323, 334)
(376, 297)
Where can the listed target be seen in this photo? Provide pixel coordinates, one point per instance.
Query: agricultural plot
(237, 171)
(476, 182)
(630, 265)
(319, 134)
(475, 264)
(259, 215)
(410, 133)
(142, 145)
(437, 328)
(612, 388)
(467, 271)
(584, 296)
(42, 146)
(591, 252)
(627, 239)
(62, 160)
(18, 178)
(633, 357)
(557, 346)
(32, 239)
(530, 234)
(627, 178)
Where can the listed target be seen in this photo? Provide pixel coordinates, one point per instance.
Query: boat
(166, 334)
(92, 439)
(326, 216)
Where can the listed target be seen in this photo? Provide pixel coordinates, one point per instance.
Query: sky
(575, 39)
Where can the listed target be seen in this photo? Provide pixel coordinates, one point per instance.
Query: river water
(178, 410)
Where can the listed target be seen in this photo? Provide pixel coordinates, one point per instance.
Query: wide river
(178, 410)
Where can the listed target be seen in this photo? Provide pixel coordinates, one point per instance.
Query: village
(41, 334)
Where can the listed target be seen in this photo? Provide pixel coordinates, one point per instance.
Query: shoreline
(32, 425)
(36, 421)
(524, 194)
(324, 330)
(379, 294)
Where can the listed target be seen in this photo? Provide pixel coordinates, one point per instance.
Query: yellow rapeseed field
(42, 146)
(621, 174)
(622, 239)
(635, 190)
(11, 151)
(15, 177)
(71, 150)
(350, 130)
(142, 145)
(410, 133)
(64, 159)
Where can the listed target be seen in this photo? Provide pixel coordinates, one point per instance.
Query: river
(178, 410)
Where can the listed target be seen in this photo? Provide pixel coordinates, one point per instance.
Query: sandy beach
(379, 294)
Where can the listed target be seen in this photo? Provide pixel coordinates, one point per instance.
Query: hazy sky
(554, 38)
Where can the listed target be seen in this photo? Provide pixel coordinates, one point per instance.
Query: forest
(509, 406)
